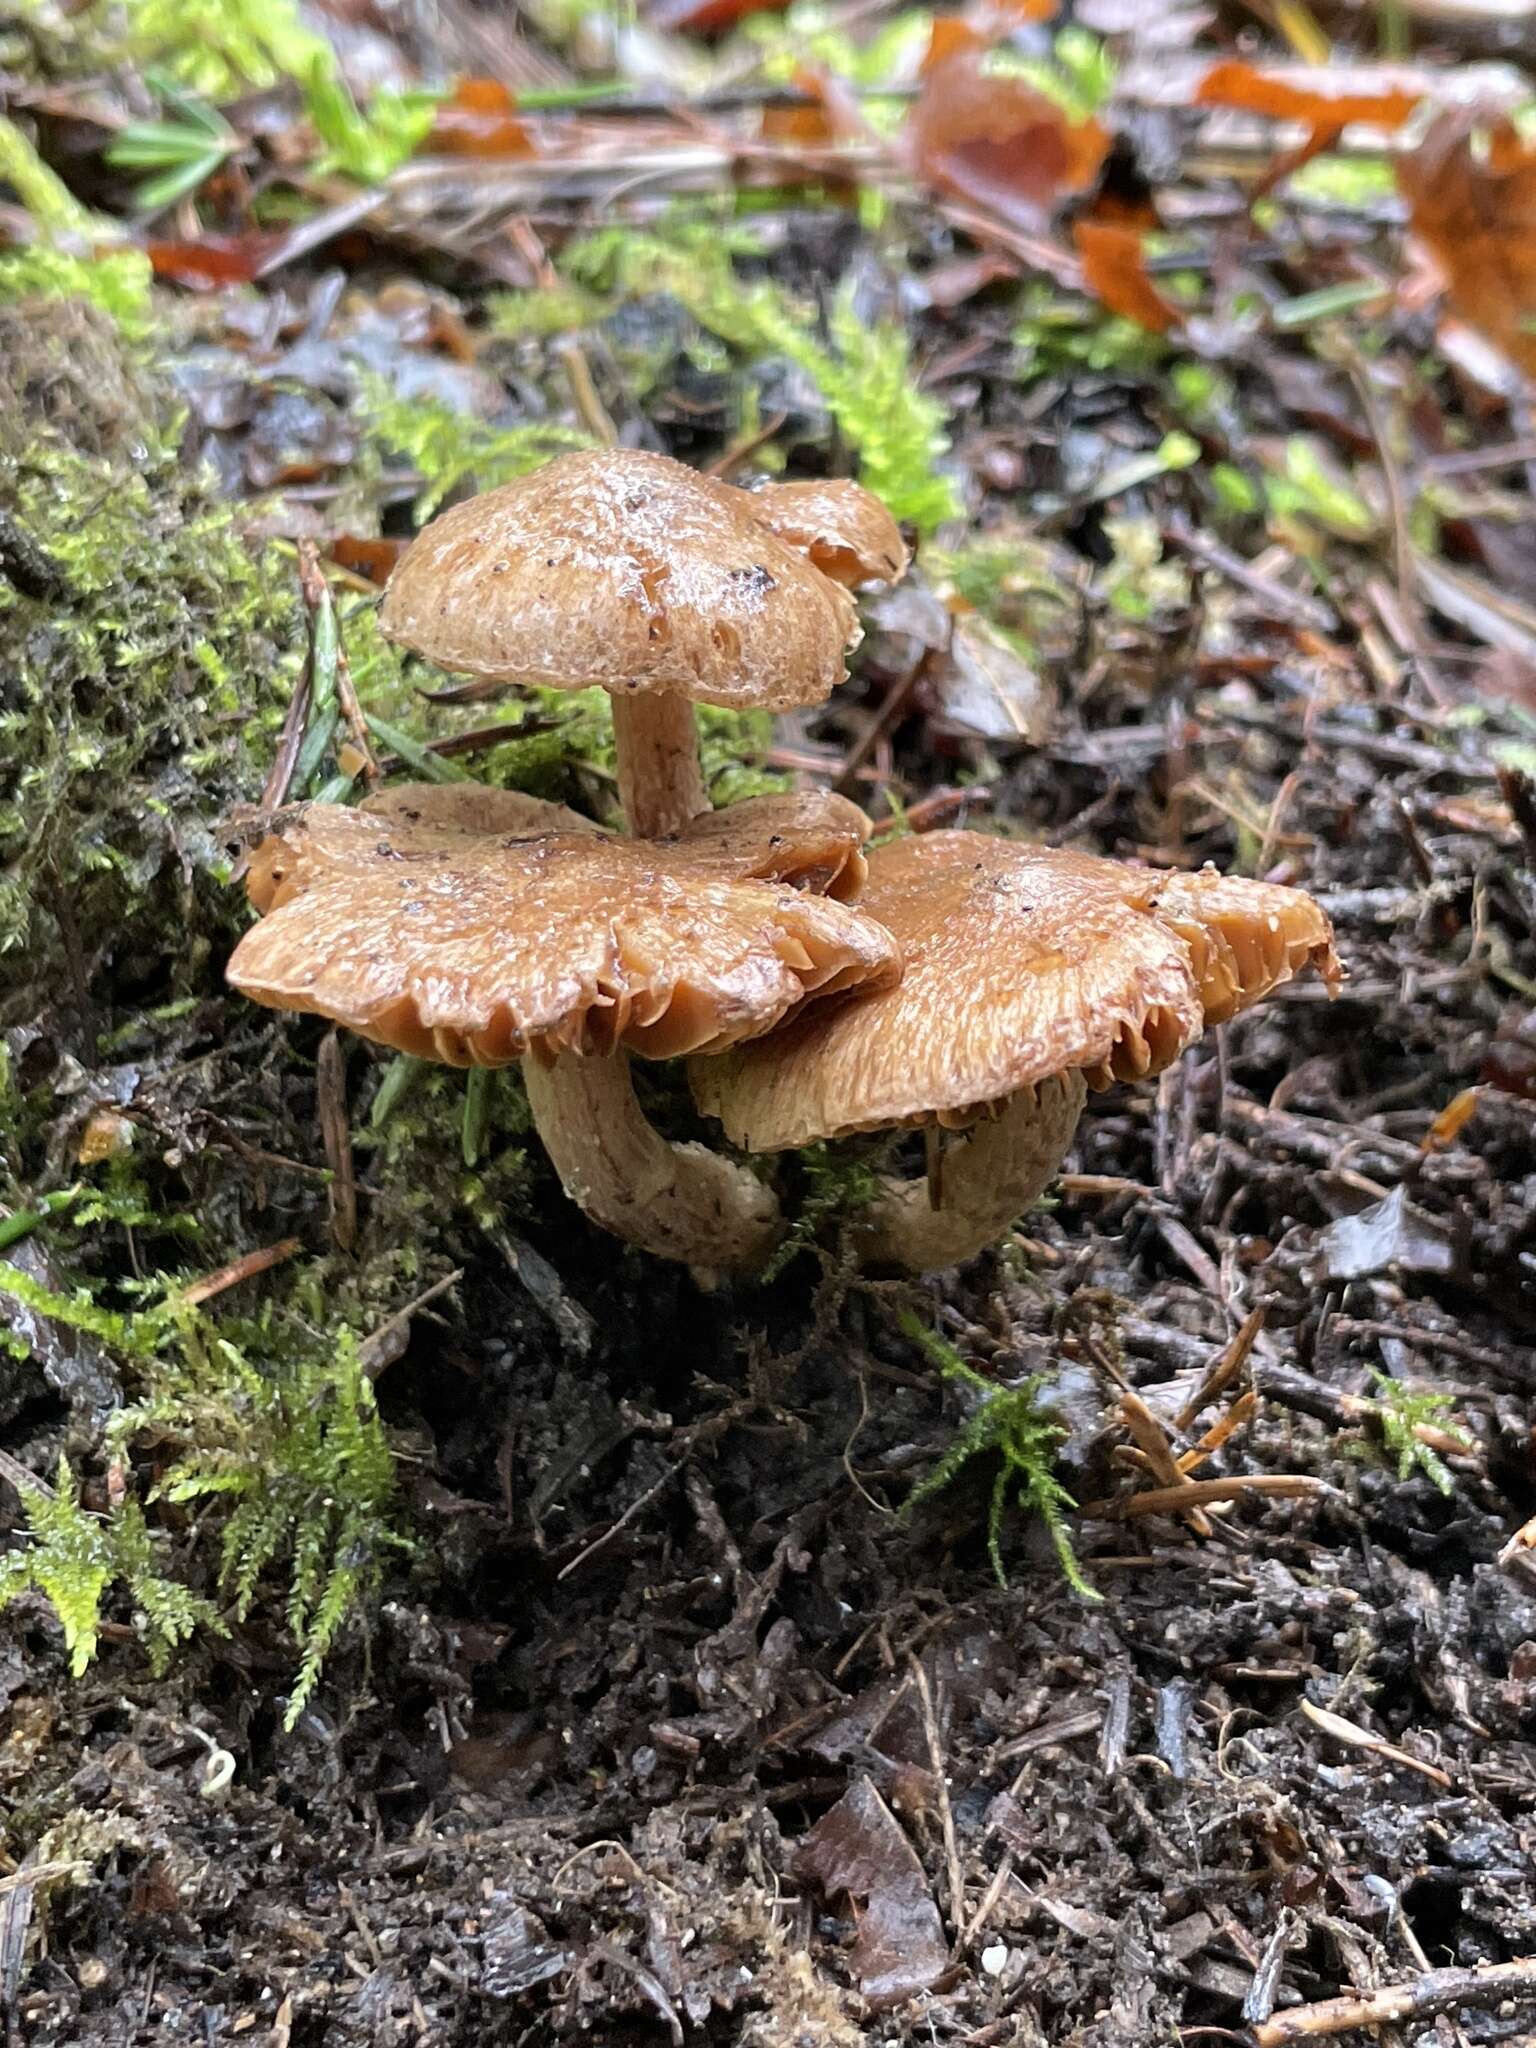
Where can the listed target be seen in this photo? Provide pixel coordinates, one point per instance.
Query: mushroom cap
(844, 529)
(627, 570)
(808, 839)
(474, 946)
(1016, 967)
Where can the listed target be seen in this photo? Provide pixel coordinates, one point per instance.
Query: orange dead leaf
(213, 261)
(1471, 187)
(480, 120)
(1115, 271)
(365, 556)
(996, 143)
(706, 17)
(1451, 1121)
(804, 127)
(1302, 96)
(950, 34)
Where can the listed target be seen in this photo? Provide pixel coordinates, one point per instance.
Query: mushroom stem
(675, 1201)
(983, 1182)
(661, 784)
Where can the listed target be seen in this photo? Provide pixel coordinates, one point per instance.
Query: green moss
(863, 370)
(143, 651)
(74, 1559)
(1006, 1422)
(43, 194)
(1399, 1412)
(517, 316)
(295, 1452)
(450, 449)
(117, 280)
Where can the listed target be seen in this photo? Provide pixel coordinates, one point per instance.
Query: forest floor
(647, 1714)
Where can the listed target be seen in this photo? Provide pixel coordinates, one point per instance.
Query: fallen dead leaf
(1319, 98)
(858, 1852)
(1115, 271)
(1471, 188)
(996, 143)
(479, 119)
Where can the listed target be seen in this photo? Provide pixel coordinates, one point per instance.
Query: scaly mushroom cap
(473, 944)
(1017, 968)
(809, 840)
(627, 570)
(837, 524)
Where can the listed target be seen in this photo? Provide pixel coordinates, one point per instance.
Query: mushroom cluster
(954, 982)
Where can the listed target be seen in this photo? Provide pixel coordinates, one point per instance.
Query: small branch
(1437, 1991)
(1177, 1500)
(262, 1260)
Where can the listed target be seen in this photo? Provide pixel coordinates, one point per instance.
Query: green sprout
(74, 1557)
(1009, 1422)
(182, 151)
(1400, 1412)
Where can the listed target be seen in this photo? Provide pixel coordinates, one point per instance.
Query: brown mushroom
(478, 928)
(1030, 975)
(629, 571)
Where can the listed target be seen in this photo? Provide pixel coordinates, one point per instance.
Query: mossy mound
(147, 655)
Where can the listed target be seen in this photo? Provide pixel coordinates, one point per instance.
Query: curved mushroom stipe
(478, 927)
(986, 1180)
(676, 1201)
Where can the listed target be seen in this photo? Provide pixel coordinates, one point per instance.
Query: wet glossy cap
(1016, 968)
(626, 570)
(470, 927)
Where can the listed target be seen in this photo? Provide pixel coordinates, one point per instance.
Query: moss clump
(295, 1451)
(1008, 1422)
(143, 645)
(73, 1558)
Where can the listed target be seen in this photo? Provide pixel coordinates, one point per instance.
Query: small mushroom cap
(808, 839)
(1017, 967)
(626, 570)
(838, 525)
(474, 946)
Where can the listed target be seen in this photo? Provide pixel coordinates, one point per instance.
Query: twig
(1356, 1737)
(274, 791)
(22, 1479)
(1154, 1446)
(317, 596)
(1170, 1500)
(1438, 1991)
(941, 1788)
(331, 1102)
(1225, 1368)
(381, 1347)
(259, 1261)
